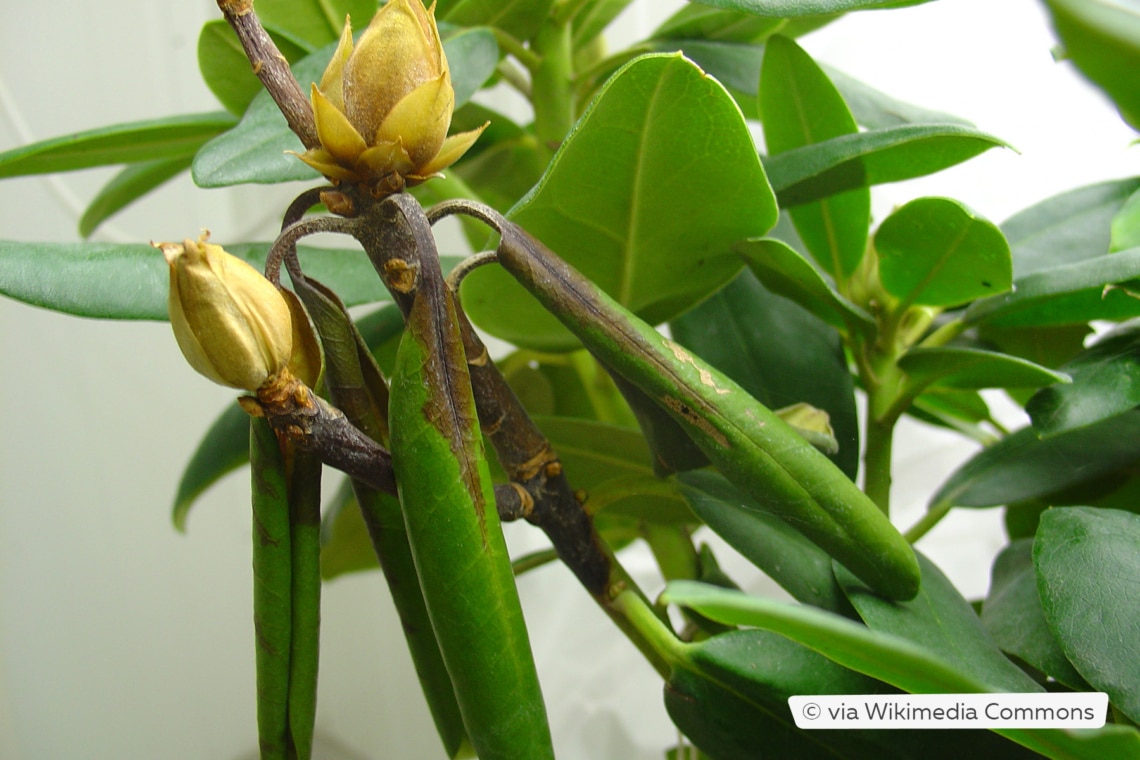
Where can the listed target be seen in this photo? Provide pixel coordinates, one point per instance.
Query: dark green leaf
(1106, 382)
(345, 544)
(170, 137)
(1023, 466)
(130, 281)
(770, 345)
(700, 22)
(785, 272)
(305, 604)
(133, 182)
(941, 621)
(1102, 38)
(518, 17)
(1067, 294)
(937, 252)
(226, 69)
(870, 158)
(615, 204)
(257, 149)
(799, 106)
(1047, 346)
(972, 369)
(877, 110)
(1013, 618)
(1066, 228)
(1088, 570)
(223, 449)
(798, 565)
(794, 8)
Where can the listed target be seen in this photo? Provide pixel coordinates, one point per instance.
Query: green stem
(551, 93)
(648, 632)
(673, 549)
(514, 47)
(944, 334)
(565, 10)
(932, 517)
(877, 463)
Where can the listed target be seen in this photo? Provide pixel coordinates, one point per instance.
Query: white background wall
(120, 638)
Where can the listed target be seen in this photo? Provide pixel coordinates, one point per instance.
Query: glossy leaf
(304, 472)
(700, 22)
(876, 157)
(889, 658)
(151, 140)
(785, 272)
(1106, 382)
(799, 106)
(223, 449)
(1023, 466)
(940, 620)
(1066, 228)
(258, 148)
(782, 552)
(937, 252)
(1067, 294)
(1013, 617)
(1102, 38)
(794, 8)
(1125, 229)
(133, 182)
(594, 18)
(768, 345)
(1087, 573)
(226, 69)
(875, 109)
(520, 18)
(973, 369)
(317, 22)
(614, 202)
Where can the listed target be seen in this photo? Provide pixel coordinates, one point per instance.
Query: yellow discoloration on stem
(705, 376)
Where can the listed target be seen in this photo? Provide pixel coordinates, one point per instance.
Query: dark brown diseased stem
(270, 66)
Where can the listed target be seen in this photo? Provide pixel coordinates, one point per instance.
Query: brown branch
(271, 67)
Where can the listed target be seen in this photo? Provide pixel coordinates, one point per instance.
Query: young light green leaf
(1106, 382)
(225, 67)
(223, 449)
(784, 271)
(1087, 573)
(887, 657)
(133, 182)
(1102, 38)
(594, 18)
(782, 552)
(769, 345)
(799, 106)
(130, 281)
(1125, 229)
(1023, 466)
(1097, 288)
(1013, 617)
(940, 620)
(257, 149)
(617, 171)
(151, 140)
(937, 252)
(862, 159)
(973, 369)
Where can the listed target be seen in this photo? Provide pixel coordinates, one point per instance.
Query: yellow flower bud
(383, 107)
(232, 324)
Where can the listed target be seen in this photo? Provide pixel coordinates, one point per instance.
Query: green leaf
(345, 544)
(937, 252)
(520, 18)
(799, 106)
(1013, 617)
(862, 159)
(700, 22)
(317, 22)
(133, 182)
(130, 281)
(1126, 225)
(151, 140)
(592, 20)
(257, 149)
(615, 204)
(785, 272)
(1067, 294)
(1067, 228)
(795, 8)
(769, 543)
(769, 345)
(973, 369)
(1106, 382)
(939, 620)
(226, 69)
(874, 109)
(223, 449)
(1087, 574)
(1102, 38)
(887, 657)
(1023, 466)
(305, 605)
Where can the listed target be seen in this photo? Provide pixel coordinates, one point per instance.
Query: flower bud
(232, 324)
(383, 107)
